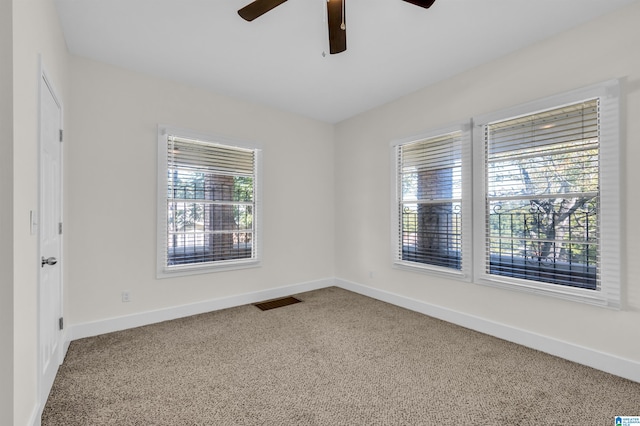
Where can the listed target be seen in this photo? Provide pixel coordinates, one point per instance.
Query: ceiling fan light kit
(336, 18)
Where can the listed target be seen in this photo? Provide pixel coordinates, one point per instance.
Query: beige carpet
(338, 358)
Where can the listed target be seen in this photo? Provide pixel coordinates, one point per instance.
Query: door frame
(45, 84)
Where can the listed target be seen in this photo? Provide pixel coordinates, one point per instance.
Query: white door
(50, 228)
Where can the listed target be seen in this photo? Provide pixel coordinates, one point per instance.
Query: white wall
(312, 171)
(111, 191)
(6, 213)
(36, 30)
(600, 50)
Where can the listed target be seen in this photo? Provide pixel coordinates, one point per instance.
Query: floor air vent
(277, 303)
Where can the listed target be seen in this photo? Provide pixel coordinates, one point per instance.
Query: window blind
(210, 203)
(542, 196)
(429, 204)
(194, 155)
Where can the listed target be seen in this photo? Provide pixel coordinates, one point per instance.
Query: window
(430, 212)
(208, 204)
(547, 201)
(543, 193)
(542, 196)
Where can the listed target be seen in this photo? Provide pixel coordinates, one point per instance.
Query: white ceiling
(393, 47)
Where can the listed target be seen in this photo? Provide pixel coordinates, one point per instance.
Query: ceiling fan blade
(336, 23)
(422, 3)
(258, 8)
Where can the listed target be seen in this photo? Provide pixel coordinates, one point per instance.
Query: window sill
(431, 270)
(600, 298)
(180, 271)
(575, 294)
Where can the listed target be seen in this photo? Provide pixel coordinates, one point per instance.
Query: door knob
(49, 261)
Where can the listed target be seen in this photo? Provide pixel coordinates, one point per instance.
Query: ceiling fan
(335, 18)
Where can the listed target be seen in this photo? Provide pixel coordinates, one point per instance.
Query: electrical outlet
(126, 296)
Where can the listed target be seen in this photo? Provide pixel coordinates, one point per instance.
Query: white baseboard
(609, 363)
(94, 328)
(36, 416)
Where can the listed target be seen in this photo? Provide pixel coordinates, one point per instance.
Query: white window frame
(610, 202)
(474, 193)
(465, 273)
(162, 270)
